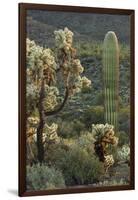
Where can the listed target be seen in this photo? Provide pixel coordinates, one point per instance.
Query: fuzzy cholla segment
(99, 130)
(104, 136)
(63, 38)
(33, 54)
(39, 59)
(68, 63)
(32, 124)
(108, 162)
(48, 59)
(124, 153)
(85, 82)
(41, 65)
(50, 100)
(50, 133)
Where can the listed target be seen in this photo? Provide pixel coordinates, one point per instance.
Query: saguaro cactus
(111, 77)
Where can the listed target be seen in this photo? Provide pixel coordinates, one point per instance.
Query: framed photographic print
(76, 99)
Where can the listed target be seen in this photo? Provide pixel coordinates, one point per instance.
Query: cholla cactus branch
(50, 134)
(70, 66)
(60, 107)
(104, 136)
(42, 67)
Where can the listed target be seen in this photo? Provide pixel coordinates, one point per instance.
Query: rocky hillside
(86, 26)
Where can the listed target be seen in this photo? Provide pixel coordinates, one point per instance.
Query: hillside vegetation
(69, 157)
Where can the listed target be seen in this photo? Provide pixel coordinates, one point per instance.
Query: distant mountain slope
(86, 26)
(43, 33)
(40, 32)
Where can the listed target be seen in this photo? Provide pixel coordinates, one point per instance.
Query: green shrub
(99, 99)
(124, 52)
(90, 49)
(124, 119)
(93, 115)
(123, 138)
(95, 49)
(77, 165)
(41, 177)
(86, 141)
(69, 129)
(55, 152)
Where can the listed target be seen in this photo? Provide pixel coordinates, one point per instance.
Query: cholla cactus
(51, 100)
(104, 136)
(32, 95)
(63, 38)
(85, 82)
(32, 123)
(33, 58)
(42, 67)
(48, 59)
(108, 162)
(124, 153)
(99, 130)
(39, 62)
(50, 134)
(70, 66)
(76, 67)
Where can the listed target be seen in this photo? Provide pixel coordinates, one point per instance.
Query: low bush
(41, 177)
(124, 119)
(93, 115)
(123, 138)
(77, 165)
(69, 129)
(86, 141)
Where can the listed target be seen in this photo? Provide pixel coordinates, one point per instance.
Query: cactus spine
(111, 78)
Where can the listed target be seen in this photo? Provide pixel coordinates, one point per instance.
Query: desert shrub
(41, 177)
(123, 138)
(86, 90)
(55, 152)
(65, 129)
(69, 129)
(78, 126)
(90, 49)
(31, 149)
(86, 141)
(77, 165)
(124, 119)
(99, 99)
(124, 52)
(113, 182)
(95, 49)
(93, 115)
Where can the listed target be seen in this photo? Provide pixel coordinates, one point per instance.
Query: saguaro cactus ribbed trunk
(111, 78)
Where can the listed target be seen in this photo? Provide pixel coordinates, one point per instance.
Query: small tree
(43, 65)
